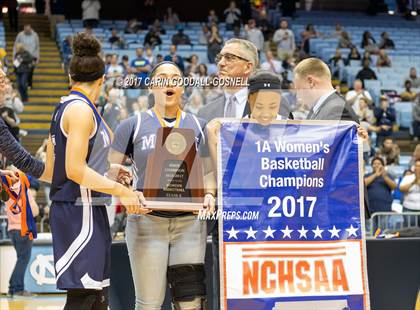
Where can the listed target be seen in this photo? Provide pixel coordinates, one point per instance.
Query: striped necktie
(231, 107)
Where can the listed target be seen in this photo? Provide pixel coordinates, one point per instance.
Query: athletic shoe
(23, 294)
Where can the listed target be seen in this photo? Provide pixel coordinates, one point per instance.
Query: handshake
(133, 201)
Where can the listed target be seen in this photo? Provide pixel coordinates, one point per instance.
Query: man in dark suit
(312, 80)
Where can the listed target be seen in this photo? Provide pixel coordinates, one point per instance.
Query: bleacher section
(406, 54)
(133, 41)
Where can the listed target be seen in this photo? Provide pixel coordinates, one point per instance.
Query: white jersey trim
(64, 111)
(82, 239)
(136, 131)
(199, 128)
(89, 283)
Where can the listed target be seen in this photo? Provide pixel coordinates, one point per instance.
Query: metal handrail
(410, 219)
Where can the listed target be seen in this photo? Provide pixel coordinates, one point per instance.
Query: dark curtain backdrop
(192, 10)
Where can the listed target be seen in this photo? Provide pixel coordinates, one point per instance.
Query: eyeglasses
(229, 57)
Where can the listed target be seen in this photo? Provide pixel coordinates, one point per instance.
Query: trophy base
(156, 205)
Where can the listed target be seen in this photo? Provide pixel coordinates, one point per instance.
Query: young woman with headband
(80, 140)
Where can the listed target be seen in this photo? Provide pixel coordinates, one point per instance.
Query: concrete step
(51, 85)
(51, 65)
(25, 118)
(48, 54)
(46, 92)
(55, 99)
(61, 78)
(35, 126)
(43, 108)
(41, 70)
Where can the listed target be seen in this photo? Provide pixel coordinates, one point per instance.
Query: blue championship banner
(292, 230)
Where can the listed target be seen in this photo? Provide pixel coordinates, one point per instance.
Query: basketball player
(163, 245)
(78, 218)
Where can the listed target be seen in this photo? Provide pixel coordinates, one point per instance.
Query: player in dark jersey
(163, 245)
(79, 189)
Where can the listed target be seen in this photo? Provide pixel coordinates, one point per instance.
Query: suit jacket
(333, 108)
(216, 108)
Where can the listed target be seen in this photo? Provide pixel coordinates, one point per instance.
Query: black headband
(87, 77)
(264, 85)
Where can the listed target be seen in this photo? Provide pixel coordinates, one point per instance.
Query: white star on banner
(317, 232)
(287, 232)
(352, 231)
(232, 233)
(269, 232)
(250, 233)
(302, 232)
(334, 232)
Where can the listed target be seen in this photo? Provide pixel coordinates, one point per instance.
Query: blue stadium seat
(199, 48)
(404, 114)
(184, 48)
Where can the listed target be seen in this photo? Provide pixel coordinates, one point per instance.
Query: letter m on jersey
(148, 142)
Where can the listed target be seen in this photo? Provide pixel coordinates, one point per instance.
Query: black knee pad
(187, 282)
(80, 299)
(102, 300)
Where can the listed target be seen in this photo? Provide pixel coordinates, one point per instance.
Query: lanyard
(161, 120)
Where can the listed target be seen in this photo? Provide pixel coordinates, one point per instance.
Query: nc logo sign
(42, 269)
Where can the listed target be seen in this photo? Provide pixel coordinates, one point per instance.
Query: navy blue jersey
(62, 188)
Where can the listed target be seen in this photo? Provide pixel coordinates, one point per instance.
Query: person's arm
(261, 40)
(17, 155)
(146, 68)
(292, 37)
(391, 114)
(213, 129)
(49, 162)
(369, 179)
(36, 53)
(18, 39)
(17, 104)
(368, 97)
(351, 99)
(8, 119)
(32, 203)
(78, 124)
(11, 174)
(276, 37)
(405, 185)
(389, 182)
